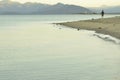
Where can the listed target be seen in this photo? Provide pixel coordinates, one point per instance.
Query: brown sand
(110, 26)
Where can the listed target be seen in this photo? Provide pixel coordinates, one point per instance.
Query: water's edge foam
(107, 38)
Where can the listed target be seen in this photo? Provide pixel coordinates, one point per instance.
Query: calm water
(33, 49)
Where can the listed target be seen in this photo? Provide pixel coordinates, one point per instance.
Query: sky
(85, 3)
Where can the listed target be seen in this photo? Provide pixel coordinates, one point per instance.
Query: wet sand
(109, 26)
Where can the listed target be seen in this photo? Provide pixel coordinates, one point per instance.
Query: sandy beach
(109, 26)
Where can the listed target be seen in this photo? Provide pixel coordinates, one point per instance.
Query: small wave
(107, 38)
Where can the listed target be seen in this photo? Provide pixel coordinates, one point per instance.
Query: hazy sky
(85, 3)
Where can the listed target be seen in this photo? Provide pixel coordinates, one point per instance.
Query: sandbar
(109, 26)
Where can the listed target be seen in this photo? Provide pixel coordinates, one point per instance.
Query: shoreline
(108, 26)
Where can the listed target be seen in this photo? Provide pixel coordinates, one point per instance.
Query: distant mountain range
(10, 7)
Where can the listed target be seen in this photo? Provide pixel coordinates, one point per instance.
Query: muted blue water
(33, 49)
(48, 18)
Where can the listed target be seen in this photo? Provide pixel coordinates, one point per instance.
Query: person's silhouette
(102, 13)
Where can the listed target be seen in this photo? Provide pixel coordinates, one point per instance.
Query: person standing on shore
(102, 13)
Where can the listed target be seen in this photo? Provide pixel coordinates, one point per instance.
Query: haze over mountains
(10, 7)
(114, 9)
(107, 9)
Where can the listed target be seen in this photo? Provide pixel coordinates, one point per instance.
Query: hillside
(10, 7)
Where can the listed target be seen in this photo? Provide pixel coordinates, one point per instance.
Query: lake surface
(31, 48)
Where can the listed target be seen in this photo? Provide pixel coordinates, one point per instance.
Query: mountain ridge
(10, 7)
